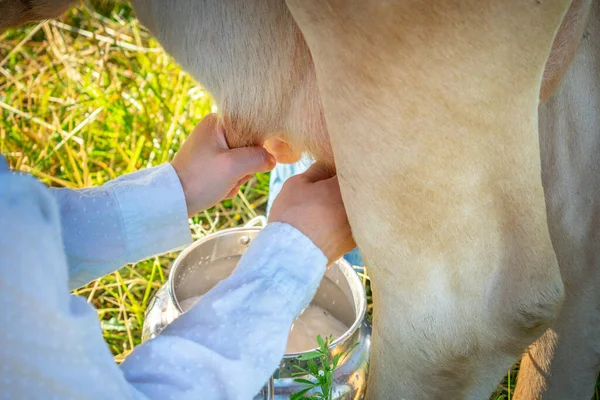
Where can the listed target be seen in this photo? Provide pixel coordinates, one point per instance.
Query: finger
(249, 161)
(206, 129)
(244, 180)
(221, 137)
(232, 193)
(317, 172)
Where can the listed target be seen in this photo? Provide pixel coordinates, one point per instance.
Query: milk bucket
(209, 260)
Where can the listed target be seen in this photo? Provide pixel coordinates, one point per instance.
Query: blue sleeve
(131, 218)
(225, 347)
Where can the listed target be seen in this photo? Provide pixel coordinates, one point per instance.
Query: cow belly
(252, 58)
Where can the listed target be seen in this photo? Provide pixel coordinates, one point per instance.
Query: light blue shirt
(51, 344)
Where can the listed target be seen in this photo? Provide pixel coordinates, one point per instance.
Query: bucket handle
(262, 220)
(268, 391)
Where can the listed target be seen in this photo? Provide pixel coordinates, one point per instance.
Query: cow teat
(283, 152)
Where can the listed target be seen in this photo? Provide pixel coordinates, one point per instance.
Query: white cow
(432, 112)
(429, 112)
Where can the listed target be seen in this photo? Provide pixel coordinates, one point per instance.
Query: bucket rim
(354, 282)
(178, 261)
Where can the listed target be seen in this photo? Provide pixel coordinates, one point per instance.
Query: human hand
(209, 171)
(312, 203)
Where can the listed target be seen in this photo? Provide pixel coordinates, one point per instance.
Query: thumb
(317, 172)
(250, 160)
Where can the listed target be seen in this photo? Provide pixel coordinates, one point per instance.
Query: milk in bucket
(314, 320)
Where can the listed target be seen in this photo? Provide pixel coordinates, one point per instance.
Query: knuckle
(293, 181)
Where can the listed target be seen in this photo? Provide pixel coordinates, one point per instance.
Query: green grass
(91, 97)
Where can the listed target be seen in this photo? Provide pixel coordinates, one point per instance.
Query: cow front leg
(564, 363)
(432, 113)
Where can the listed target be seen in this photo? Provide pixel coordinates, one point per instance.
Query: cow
(477, 226)
(431, 111)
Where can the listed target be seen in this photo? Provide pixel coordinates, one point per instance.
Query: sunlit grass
(88, 98)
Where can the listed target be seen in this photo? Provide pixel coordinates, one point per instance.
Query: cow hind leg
(431, 109)
(564, 363)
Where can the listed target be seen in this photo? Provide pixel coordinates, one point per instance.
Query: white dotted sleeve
(52, 345)
(126, 220)
(224, 348)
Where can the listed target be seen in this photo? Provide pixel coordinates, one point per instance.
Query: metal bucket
(341, 293)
